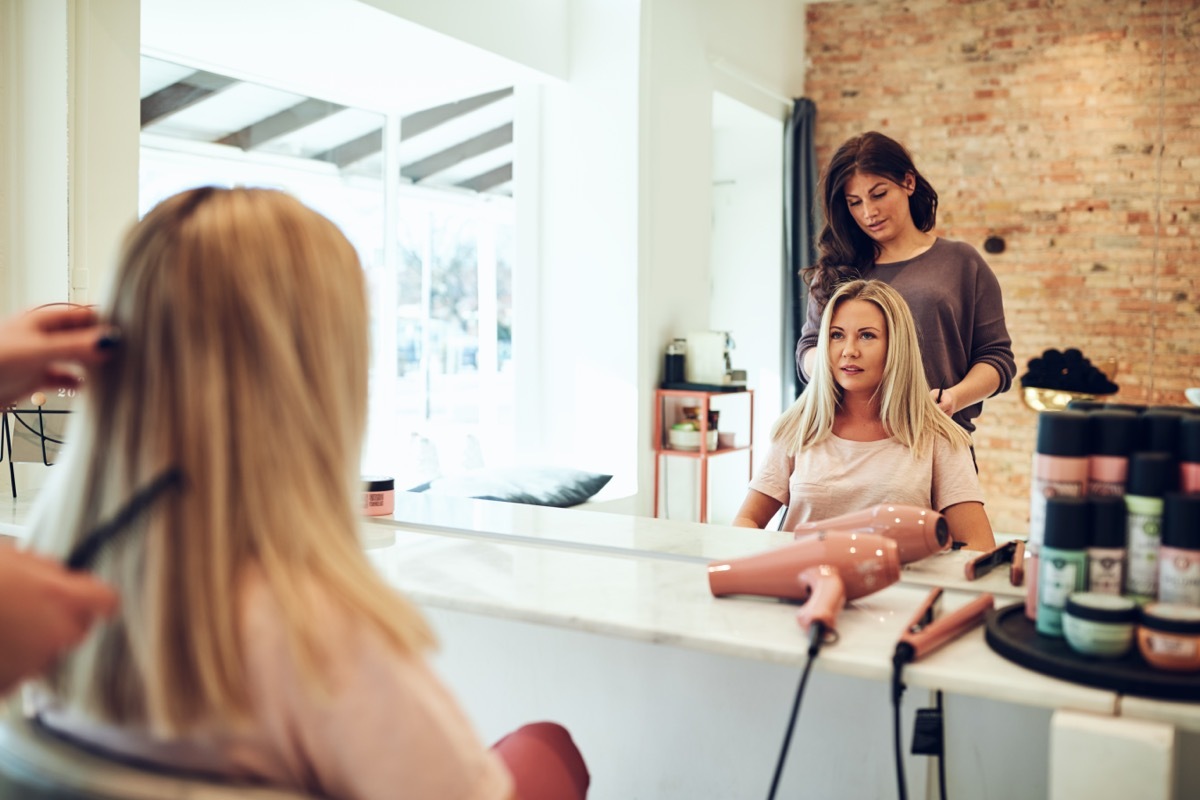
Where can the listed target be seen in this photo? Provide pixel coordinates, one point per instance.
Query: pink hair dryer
(919, 532)
(823, 571)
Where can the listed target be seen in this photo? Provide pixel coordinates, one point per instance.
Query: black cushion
(560, 487)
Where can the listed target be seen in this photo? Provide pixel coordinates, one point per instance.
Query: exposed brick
(1043, 120)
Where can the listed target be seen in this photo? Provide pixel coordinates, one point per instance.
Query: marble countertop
(666, 600)
(602, 532)
(646, 579)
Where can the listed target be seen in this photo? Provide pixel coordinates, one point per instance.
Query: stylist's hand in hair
(945, 400)
(37, 347)
(44, 611)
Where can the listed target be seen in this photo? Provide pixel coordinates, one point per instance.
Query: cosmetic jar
(1099, 625)
(379, 495)
(1168, 636)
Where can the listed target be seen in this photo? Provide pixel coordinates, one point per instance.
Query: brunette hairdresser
(865, 431)
(879, 216)
(255, 641)
(44, 609)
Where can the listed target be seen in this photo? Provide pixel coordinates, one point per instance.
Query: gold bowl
(1039, 399)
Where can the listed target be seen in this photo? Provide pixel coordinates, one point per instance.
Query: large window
(435, 238)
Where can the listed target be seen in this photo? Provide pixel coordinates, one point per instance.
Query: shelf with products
(687, 425)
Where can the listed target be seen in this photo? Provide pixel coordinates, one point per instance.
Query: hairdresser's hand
(37, 349)
(44, 611)
(946, 400)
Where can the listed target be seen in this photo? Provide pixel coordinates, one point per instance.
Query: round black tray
(1011, 634)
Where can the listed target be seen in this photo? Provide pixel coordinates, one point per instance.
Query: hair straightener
(925, 633)
(84, 554)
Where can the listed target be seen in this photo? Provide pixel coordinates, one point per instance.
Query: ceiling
(313, 79)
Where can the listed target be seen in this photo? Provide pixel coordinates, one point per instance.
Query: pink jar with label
(379, 495)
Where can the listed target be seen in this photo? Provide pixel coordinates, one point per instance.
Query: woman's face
(879, 205)
(858, 345)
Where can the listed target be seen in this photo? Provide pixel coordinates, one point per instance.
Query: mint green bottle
(1150, 477)
(1062, 562)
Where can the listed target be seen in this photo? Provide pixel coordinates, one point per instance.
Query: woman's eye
(835, 335)
(879, 196)
(868, 335)
(853, 203)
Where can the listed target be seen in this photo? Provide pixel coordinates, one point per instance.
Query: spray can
(1113, 434)
(1189, 454)
(1150, 477)
(1062, 561)
(1060, 469)
(1179, 556)
(1106, 549)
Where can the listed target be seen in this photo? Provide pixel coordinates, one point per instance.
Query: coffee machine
(708, 358)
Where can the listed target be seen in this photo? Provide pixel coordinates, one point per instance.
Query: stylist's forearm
(980, 383)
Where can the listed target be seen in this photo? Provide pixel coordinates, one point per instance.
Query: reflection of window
(440, 272)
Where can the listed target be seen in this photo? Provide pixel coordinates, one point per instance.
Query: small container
(379, 495)
(1168, 636)
(1099, 625)
(673, 369)
(1106, 550)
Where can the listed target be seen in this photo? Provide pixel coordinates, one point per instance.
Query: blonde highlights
(907, 411)
(243, 362)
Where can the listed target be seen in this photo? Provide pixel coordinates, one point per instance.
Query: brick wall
(1072, 129)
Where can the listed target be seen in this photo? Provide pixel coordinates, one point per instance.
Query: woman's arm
(969, 524)
(981, 382)
(805, 354)
(757, 510)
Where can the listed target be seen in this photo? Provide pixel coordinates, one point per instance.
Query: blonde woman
(866, 430)
(254, 639)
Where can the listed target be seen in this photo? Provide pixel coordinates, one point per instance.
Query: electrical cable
(941, 757)
(816, 637)
(902, 656)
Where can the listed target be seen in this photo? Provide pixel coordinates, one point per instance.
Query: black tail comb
(84, 554)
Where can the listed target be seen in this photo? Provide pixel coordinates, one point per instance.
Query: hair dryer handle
(828, 597)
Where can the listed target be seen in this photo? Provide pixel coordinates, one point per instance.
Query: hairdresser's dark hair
(843, 248)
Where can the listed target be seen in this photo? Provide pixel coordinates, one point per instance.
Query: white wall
(753, 52)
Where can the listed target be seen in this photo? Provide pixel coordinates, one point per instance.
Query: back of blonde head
(908, 413)
(243, 363)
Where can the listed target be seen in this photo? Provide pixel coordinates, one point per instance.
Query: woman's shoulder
(962, 253)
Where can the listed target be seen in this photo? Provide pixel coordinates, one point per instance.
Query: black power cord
(816, 637)
(929, 726)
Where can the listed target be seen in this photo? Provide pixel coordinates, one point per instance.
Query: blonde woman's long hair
(907, 411)
(243, 363)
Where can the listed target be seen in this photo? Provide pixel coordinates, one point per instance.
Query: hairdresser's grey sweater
(956, 303)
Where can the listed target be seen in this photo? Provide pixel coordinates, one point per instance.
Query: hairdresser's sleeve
(809, 334)
(387, 728)
(990, 342)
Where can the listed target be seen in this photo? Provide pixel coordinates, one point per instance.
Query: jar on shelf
(673, 371)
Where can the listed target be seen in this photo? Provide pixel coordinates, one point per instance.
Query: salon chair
(37, 765)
